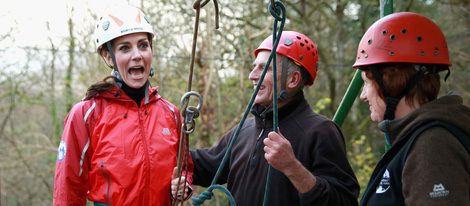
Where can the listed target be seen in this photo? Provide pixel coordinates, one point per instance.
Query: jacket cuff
(316, 191)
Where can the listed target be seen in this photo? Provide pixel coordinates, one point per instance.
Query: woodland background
(38, 90)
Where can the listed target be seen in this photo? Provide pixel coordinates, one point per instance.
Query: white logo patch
(61, 151)
(384, 183)
(166, 131)
(439, 191)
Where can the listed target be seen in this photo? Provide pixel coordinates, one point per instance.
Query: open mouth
(136, 72)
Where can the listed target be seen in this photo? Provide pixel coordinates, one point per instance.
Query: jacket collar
(117, 94)
(448, 109)
(264, 115)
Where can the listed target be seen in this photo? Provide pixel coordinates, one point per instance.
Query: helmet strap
(447, 75)
(392, 101)
(283, 94)
(115, 72)
(147, 84)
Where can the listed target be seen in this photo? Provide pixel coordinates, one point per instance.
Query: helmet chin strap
(283, 94)
(392, 101)
(115, 71)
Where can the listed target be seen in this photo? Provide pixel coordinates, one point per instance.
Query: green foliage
(362, 159)
(28, 116)
(321, 104)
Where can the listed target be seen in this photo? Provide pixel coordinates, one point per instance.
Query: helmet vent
(421, 53)
(419, 38)
(393, 37)
(308, 48)
(391, 53)
(369, 42)
(298, 37)
(302, 44)
(436, 52)
(384, 32)
(403, 31)
(105, 25)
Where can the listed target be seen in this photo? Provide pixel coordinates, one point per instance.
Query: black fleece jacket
(317, 143)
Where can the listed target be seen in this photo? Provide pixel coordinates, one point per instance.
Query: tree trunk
(68, 75)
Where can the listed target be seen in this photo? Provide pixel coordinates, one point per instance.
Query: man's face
(265, 93)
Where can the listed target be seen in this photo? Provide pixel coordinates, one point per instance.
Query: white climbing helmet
(119, 21)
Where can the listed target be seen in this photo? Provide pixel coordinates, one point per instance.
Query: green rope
(207, 194)
(278, 11)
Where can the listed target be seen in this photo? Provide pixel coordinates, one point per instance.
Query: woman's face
(133, 58)
(370, 95)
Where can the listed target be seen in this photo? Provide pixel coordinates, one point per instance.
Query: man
(308, 154)
(428, 163)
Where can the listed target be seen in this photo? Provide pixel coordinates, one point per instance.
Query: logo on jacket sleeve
(439, 191)
(384, 183)
(61, 151)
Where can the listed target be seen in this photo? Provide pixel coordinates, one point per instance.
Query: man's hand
(278, 152)
(179, 192)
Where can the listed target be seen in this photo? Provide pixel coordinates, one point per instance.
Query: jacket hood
(449, 109)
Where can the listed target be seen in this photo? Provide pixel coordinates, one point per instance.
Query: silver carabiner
(190, 112)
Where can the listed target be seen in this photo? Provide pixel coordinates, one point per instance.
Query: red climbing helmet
(298, 47)
(403, 37)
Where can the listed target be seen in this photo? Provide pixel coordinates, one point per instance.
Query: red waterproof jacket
(117, 153)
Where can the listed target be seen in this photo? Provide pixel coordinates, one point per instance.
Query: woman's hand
(182, 190)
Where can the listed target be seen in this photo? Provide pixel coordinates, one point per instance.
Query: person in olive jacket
(428, 163)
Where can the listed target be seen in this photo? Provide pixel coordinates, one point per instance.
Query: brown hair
(397, 76)
(106, 84)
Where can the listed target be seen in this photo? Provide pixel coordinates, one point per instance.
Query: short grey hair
(291, 66)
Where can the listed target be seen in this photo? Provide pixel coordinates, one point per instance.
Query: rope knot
(277, 10)
(206, 195)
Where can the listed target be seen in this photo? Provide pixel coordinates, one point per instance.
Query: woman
(119, 144)
(428, 163)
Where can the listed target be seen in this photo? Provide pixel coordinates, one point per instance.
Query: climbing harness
(190, 113)
(278, 11)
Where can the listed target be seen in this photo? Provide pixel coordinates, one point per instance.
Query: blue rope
(207, 194)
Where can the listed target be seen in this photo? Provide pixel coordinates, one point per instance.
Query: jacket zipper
(146, 155)
(108, 182)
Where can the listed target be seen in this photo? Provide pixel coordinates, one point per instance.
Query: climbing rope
(279, 14)
(190, 113)
(197, 6)
(278, 11)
